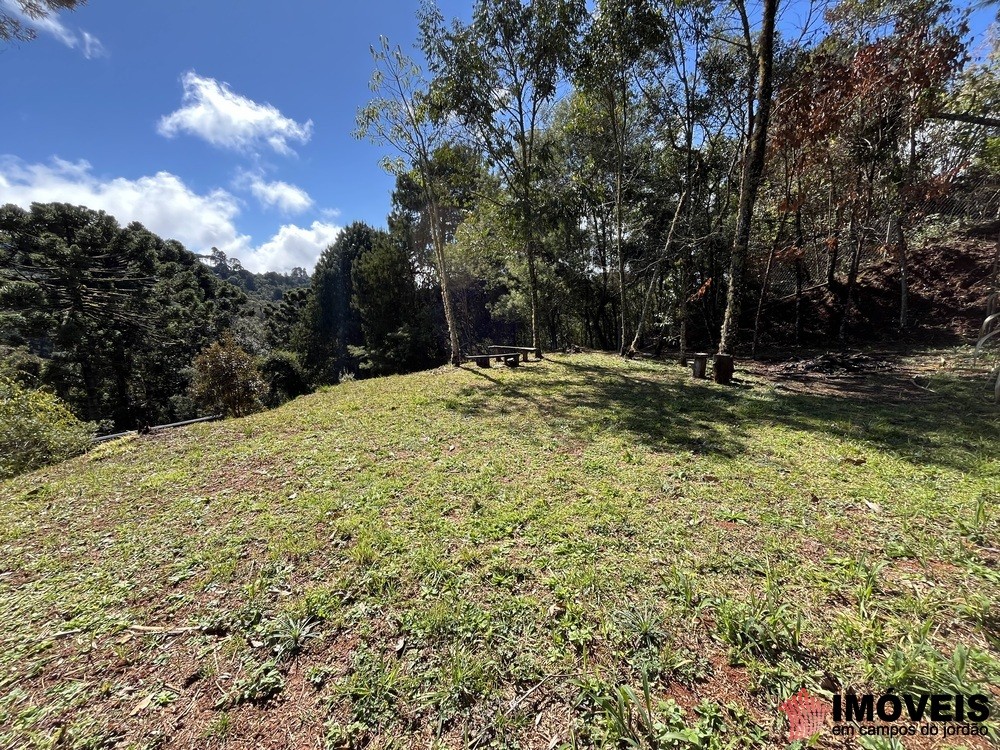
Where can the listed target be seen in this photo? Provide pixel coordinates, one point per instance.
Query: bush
(284, 376)
(226, 379)
(36, 428)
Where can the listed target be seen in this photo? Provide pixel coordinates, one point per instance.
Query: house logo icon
(806, 715)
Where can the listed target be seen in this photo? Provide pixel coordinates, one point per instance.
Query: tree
(13, 26)
(113, 313)
(851, 136)
(499, 76)
(753, 170)
(396, 326)
(621, 34)
(226, 379)
(330, 325)
(400, 117)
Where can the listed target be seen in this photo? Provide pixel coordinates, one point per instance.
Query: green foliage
(36, 429)
(329, 324)
(622, 716)
(765, 626)
(114, 315)
(290, 634)
(284, 377)
(260, 685)
(267, 287)
(395, 323)
(227, 380)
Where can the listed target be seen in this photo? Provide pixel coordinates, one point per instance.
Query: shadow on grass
(658, 406)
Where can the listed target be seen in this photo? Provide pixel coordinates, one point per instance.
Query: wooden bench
(511, 359)
(525, 350)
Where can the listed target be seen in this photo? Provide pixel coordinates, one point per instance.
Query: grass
(580, 552)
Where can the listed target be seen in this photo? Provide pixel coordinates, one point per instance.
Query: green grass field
(579, 552)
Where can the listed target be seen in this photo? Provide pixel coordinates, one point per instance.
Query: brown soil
(949, 282)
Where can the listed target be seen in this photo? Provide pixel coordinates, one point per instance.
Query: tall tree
(399, 116)
(395, 323)
(621, 34)
(330, 324)
(752, 174)
(499, 76)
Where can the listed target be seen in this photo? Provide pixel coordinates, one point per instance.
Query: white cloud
(214, 112)
(295, 246)
(50, 24)
(166, 206)
(287, 198)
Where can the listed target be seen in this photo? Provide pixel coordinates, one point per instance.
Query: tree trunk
(533, 293)
(904, 288)
(852, 278)
(634, 347)
(798, 301)
(753, 169)
(767, 279)
(437, 237)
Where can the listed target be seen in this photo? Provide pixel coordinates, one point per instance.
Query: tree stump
(699, 365)
(724, 368)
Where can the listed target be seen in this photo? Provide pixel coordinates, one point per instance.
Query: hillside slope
(498, 558)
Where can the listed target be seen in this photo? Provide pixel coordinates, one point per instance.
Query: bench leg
(483, 362)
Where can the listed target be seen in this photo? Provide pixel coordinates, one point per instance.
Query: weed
(916, 665)
(289, 635)
(374, 688)
(642, 627)
(262, 684)
(621, 716)
(219, 727)
(760, 625)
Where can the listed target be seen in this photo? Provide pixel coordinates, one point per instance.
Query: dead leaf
(142, 705)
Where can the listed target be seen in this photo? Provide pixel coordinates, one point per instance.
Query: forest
(634, 176)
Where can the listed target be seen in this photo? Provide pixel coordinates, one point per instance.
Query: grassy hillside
(504, 558)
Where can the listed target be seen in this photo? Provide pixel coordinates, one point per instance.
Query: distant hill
(268, 287)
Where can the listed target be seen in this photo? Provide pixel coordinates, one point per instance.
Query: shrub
(226, 379)
(36, 428)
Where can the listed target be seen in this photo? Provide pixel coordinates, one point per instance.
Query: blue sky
(214, 122)
(223, 123)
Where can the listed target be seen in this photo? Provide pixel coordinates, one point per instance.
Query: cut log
(699, 365)
(723, 368)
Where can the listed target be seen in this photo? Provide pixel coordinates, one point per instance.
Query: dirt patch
(875, 375)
